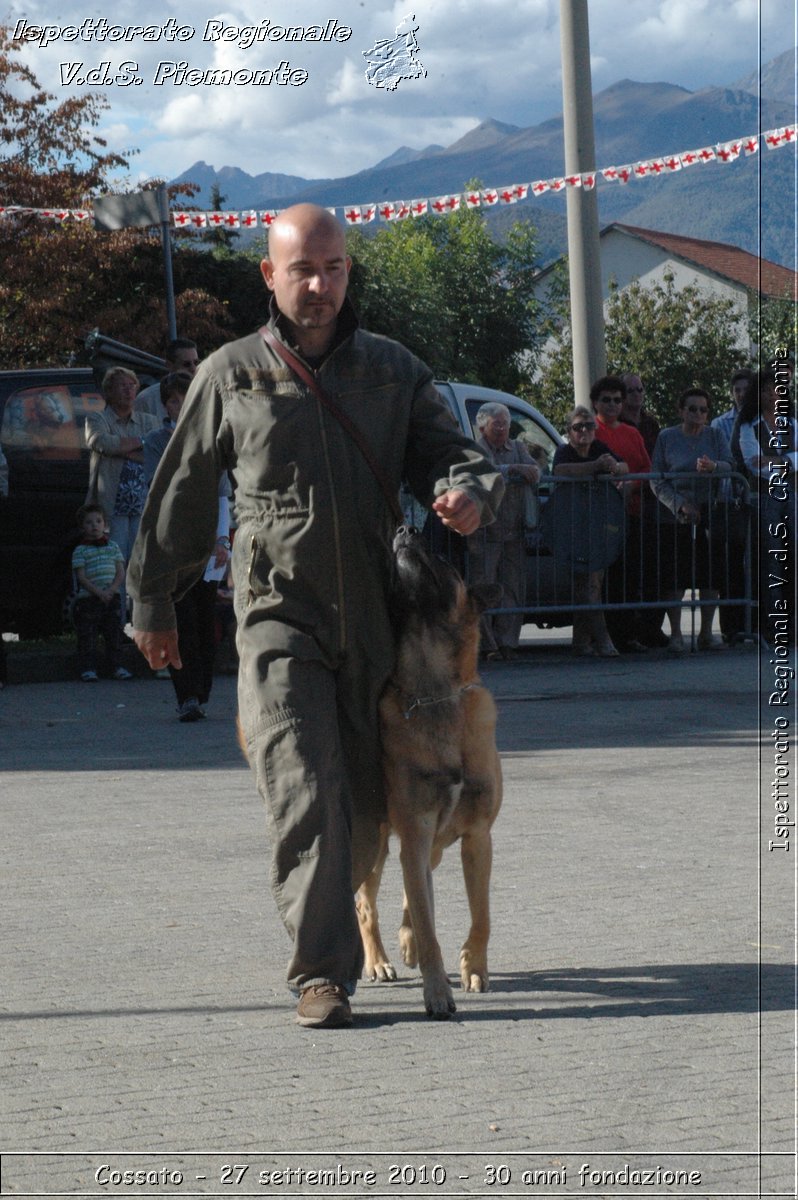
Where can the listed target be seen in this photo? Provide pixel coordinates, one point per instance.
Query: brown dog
(442, 772)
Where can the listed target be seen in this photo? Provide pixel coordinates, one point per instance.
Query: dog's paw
(473, 974)
(438, 1000)
(474, 982)
(407, 946)
(382, 971)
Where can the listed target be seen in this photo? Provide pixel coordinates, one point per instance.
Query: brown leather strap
(299, 368)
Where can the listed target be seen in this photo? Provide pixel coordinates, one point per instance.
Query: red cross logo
(181, 218)
(672, 164)
(268, 217)
(689, 158)
(198, 220)
(540, 186)
(439, 205)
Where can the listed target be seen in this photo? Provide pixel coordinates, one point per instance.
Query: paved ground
(640, 1014)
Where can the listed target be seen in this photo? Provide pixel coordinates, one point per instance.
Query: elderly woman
(115, 437)
(584, 457)
(497, 554)
(701, 452)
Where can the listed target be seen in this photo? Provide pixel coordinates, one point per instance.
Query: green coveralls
(311, 567)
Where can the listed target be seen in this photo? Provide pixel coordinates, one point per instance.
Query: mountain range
(749, 203)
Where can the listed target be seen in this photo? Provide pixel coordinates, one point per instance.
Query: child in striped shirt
(100, 572)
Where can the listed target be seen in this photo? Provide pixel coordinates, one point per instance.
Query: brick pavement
(144, 1008)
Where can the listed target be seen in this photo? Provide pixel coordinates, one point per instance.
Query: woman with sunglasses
(691, 555)
(584, 457)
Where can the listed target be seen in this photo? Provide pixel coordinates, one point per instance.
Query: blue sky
(483, 59)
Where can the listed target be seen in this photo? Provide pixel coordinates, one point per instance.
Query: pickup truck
(42, 416)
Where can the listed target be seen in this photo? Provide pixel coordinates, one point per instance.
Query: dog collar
(424, 701)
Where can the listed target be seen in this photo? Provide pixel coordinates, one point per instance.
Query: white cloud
(484, 58)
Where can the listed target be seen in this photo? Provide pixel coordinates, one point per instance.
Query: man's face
(185, 360)
(634, 398)
(496, 430)
(308, 271)
(738, 390)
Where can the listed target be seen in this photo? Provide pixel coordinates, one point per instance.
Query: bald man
(311, 567)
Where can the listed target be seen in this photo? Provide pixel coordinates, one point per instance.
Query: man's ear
(267, 271)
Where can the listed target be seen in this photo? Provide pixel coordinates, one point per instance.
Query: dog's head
(428, 590)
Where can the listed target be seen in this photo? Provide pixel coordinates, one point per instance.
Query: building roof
(757, 274)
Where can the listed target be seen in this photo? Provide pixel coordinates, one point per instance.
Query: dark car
(42, 414)
(42, 420)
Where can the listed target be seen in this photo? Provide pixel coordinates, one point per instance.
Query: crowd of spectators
(703, 505)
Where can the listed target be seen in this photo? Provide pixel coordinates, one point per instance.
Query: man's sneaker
(122, 673)
(89, 676)
(324, 1006)
(190, 710)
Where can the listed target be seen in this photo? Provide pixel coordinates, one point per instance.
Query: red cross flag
(368, 212)
(403, 211)
(556, 185)
(472, 199)
(540, 186)
(689, 158)
(623, 174)
(249, 219)
(588, 182)
(507, 196)
(268, 216)
(388, 212)
(353, 215)
(419, 207)
(708, 154)
(491, 196)
(181, 218)
(673, 163)
(199, 220)
(231, 220)
(81, 214)
(728, 151)
(751, 145)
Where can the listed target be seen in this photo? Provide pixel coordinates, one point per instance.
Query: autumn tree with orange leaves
(60, 280)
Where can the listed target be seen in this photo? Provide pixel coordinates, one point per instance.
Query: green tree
(674, 337)
(460, 301)
(218, 236)
(773, 323)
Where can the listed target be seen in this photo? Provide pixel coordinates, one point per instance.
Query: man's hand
(457, 511)
(159, 649)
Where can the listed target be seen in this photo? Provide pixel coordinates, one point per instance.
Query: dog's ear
(485, 595)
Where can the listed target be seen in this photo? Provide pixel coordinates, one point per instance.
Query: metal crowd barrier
(587, 527)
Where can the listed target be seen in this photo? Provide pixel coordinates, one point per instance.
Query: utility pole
(584, 260)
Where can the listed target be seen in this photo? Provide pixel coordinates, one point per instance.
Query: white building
(629, 253)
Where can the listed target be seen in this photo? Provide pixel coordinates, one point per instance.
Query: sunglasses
(609, 400)
(583, 426)
(694, 408)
